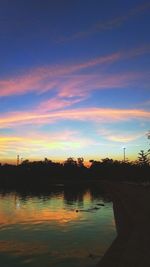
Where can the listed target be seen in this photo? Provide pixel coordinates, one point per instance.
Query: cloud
(73, 79)
(137, 51)
(57, 103)
(145, 104)
(78, 114)
(106, 25)
(31, 143)
(48, 78)
(120, 137)
(84, 85)
(97, 27)
(139, 9)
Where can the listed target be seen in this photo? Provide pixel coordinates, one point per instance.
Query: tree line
(29, 174)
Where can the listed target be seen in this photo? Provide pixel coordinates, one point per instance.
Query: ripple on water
(49, 230)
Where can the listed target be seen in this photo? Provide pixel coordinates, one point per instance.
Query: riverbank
(132, 215)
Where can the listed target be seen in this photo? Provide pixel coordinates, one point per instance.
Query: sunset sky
(74, 78)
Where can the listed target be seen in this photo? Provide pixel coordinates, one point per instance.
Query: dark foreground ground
(131, 248)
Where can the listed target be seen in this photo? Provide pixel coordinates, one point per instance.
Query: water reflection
(63, 227)
(34, 210)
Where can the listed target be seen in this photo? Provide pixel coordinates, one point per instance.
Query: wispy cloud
(57, 103)
(80, 114)
(83, 85)
(48, 78)
(74, 79)
(121, 136)
(137, 51)
(106, 25)
(30, 144)
(145, 104)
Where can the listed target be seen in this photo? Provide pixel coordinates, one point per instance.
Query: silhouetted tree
(25, 162)
(107, 161)
(47, 161)
(70, 162)
(41, 174)
(80, 162)
(148, 135)
(143, 157)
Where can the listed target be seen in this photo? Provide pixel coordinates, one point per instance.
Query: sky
(74, 79)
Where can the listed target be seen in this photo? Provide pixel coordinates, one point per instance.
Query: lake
(63, 227)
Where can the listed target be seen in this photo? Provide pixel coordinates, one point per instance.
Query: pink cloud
(80, 114)
(61, 78)
(58, 103)
(83, 85)
(48, 78)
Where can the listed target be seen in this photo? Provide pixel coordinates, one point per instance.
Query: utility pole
(124, 154)
(17, 160)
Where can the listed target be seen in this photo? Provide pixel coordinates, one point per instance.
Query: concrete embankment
(131, 205)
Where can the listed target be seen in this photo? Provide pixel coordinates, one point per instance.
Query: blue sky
(74, 78)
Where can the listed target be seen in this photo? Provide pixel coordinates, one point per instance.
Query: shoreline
(132, 215)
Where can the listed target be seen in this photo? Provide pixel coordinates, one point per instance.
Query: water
(61, 228)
